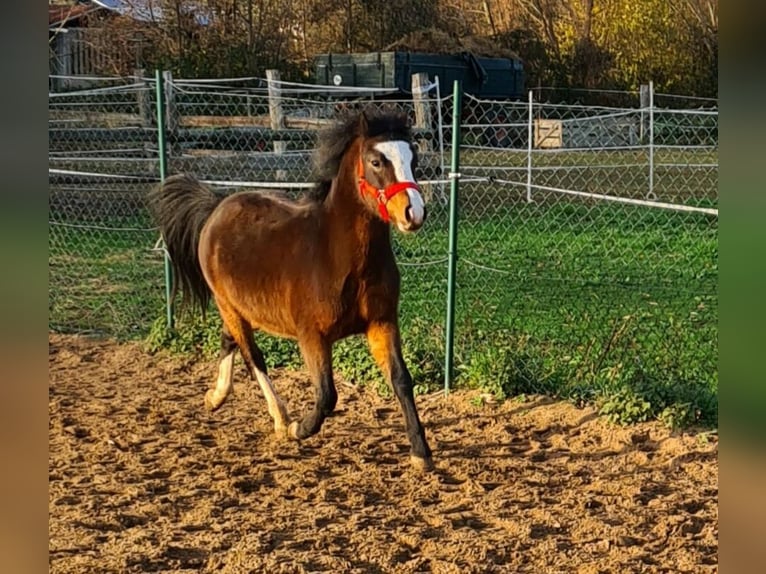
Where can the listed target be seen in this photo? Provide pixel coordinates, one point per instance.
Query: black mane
(333, 142)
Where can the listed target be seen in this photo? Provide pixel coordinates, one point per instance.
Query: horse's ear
(363, 124)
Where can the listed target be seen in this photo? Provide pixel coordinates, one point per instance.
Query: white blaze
(400, 156)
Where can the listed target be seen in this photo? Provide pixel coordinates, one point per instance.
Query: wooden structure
(270, 145)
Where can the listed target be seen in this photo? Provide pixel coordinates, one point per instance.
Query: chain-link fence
(587, 236)
(102, 142)
(588, 252)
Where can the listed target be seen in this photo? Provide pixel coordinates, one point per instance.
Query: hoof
(210, 404)
(292, 431)
(422, 464)
(281, 430)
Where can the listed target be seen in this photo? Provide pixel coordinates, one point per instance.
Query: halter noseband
(382, 195)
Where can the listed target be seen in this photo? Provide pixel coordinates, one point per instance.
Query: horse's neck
(355, 232)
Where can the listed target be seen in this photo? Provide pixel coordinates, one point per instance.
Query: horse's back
(250, 217)
(265, 208)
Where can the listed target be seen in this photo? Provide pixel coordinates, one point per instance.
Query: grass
(611, 305)
(606, 304)
(103, 282)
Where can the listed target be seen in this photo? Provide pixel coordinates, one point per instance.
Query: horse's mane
(333, 142)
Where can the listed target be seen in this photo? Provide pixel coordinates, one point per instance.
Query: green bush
(351, 357)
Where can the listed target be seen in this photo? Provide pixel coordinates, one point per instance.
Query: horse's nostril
(425, 213)
(408, 213)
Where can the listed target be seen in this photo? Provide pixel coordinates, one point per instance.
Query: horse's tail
(180, 207)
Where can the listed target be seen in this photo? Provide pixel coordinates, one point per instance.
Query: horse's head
(386, 181)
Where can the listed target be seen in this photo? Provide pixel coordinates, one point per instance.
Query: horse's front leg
(385, 345)
(317, 354)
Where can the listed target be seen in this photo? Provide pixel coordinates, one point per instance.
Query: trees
(578, 43)
(624, 43)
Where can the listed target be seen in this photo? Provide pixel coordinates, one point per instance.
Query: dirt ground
(143, 479)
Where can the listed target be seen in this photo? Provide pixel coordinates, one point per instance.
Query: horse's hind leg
(317, 356)
(242, 334)
(215, 397)
(275, 406)
(385, 345)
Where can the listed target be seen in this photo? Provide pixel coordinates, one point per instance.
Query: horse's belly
(276, 330)
(271, 316)
(318, 316)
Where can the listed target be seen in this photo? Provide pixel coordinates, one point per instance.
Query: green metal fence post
(453, 214)
(162, 149)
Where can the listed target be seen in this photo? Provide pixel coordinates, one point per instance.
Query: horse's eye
(375, 163)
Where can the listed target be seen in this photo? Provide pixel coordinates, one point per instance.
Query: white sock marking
(223, 384)
(274, 404)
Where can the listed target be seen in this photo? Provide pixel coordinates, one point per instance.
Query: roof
(139, 10)
(61, 14)
(152, 10)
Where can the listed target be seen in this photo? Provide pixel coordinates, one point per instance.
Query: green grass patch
(610, 305)
(103, 281)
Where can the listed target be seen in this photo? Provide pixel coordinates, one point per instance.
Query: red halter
(382, 195)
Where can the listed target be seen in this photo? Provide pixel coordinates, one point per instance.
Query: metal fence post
(644, 105)
(452, 256)
(530, 141)
(159, 81)
(651, 195)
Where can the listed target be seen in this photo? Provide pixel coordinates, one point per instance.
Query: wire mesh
(572, 276)
(106, 275)
(103, 275)
(567, 285)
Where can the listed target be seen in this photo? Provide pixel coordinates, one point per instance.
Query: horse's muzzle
(413, 220)
(415, 212)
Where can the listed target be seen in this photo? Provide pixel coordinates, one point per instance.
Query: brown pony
(316, 270)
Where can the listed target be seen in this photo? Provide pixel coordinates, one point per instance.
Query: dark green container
(481, 77)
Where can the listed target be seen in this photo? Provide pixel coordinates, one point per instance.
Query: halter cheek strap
(382, 195)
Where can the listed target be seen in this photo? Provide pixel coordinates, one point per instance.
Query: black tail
(180, 207)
